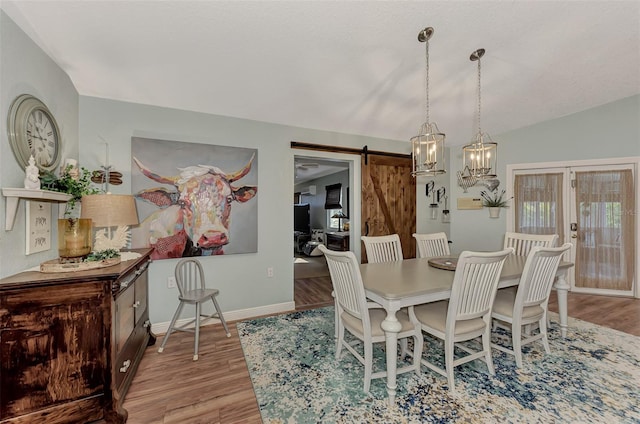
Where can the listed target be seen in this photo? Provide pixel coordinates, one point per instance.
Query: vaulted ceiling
(348, 66)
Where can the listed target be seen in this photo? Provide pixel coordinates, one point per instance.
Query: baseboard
(229, 316)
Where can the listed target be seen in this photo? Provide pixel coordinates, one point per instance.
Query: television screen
(301, 218)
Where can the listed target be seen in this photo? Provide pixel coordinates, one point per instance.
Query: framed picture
(194, 199)
(38, 226)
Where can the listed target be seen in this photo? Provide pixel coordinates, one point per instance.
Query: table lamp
(111, 210)
(340, 215)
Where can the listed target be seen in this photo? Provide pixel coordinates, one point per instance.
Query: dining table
(408, 282)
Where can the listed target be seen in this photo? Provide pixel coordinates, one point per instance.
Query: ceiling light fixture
(427, 148)
(479, 158)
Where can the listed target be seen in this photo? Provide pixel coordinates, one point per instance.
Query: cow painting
(195, 211)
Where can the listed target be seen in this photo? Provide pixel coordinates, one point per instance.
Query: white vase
(494, 212)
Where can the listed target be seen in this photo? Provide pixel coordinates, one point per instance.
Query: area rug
(592, 376)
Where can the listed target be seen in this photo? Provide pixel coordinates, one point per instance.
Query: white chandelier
(427, 148)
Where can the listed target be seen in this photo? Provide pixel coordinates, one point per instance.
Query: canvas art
(194, 199)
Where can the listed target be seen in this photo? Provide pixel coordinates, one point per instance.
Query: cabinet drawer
(124, 317)
(128, 356)
(141, 288)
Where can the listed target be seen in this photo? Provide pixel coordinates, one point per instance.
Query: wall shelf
(14, 195)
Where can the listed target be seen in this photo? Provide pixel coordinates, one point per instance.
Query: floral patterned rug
(592, 376)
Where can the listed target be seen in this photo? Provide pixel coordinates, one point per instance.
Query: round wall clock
(33, 130)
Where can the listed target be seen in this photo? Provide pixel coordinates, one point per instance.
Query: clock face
(33, 131)
(42, 138)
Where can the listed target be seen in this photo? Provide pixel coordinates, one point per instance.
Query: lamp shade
(109, 210)
(339, 214)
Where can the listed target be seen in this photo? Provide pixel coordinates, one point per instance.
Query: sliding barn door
(389, 200)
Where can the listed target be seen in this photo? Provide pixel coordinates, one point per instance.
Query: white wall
(242, 279)
(607, 131)
(25, 68)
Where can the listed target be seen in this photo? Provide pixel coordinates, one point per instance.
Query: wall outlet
(171, 282)
(270, 272)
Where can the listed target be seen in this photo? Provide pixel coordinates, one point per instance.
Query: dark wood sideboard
(70, 343)
(338, 241)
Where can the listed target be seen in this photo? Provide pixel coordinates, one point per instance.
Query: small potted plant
(494, 202)
(71, 181)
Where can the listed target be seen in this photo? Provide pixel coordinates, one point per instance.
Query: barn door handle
(366, 228)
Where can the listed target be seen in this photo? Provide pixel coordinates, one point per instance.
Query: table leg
(391, 328)
(562, 288)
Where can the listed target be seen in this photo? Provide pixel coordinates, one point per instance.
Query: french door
(590, 206)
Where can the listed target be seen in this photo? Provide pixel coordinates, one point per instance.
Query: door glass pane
(606, 236)
(538, 203)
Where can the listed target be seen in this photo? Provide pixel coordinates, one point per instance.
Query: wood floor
(171, 388)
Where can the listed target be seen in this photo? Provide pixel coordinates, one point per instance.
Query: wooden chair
(192, 290)
(523, 243)
(430, 245)
(528, 305)
(467, 313)
(383, 248)
(363, 318)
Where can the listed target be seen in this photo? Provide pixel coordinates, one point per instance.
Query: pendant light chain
(479, 98)
(427, 80)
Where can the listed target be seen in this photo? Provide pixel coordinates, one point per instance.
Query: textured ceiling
(352, 67)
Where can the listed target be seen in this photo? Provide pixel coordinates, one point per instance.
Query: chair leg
(448, 362)
(368, 365)
(404, 348)
(339, 338)
(170, 330)
(197, 332)
(516, 337)
(486, 346)
(543, 332)
(219, 311)
(418, 345)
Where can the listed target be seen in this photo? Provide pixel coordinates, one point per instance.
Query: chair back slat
(523, 243)
(430, 245)
(538, 275)
(383, 248)
(347, 283)
(189, 275)
(474, 284)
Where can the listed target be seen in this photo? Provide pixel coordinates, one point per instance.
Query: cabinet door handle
(147, 324)
(125, 365)
(135, 305)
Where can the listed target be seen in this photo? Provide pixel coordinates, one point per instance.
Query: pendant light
(427, 148)
(480, 156)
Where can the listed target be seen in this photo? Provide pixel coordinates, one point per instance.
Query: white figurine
(31, 180)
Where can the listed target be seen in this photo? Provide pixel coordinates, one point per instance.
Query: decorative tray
(447, 263)
(55, 265)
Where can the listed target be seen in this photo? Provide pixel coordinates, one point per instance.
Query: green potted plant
(494, 202)
(71, 181)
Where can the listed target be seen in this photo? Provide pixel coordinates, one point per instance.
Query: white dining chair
(192, 290)
(523, 243)
(382, 248)
(467, 313)
(363, 318)
(430, 245)
(385, 249)
(528, 305)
